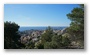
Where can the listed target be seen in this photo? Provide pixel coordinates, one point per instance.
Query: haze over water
(39, 28)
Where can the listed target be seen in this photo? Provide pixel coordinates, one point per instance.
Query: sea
(39, 28)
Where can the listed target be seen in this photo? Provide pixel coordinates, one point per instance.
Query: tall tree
(76, 28)
(11, 36)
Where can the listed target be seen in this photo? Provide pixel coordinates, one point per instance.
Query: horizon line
(44, 26)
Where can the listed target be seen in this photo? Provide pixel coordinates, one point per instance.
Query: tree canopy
(76, 28)
(11, 36)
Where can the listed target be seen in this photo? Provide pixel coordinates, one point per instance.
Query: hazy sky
(38, 14)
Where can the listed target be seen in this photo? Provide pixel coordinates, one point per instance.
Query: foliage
(11, 36)
(47, 36)
(56, 41)
(50, 45)
(61, 41)
(49, 39)
(39, 45)
(66, 41)
(30, 45)
(76, 28)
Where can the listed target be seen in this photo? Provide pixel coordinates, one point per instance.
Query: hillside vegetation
(69, 38)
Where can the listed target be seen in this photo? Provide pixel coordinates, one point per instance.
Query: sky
(38, 14)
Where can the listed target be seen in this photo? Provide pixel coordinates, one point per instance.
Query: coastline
(41, 28)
